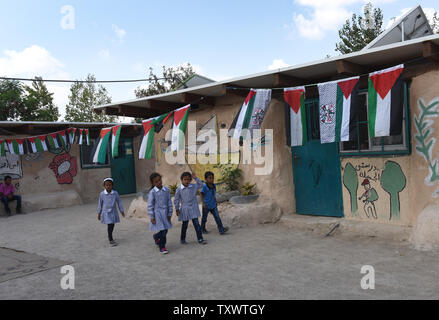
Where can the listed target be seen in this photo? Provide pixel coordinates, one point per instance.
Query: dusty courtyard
(265, 262)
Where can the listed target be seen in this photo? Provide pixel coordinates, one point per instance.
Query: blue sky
(121, 39)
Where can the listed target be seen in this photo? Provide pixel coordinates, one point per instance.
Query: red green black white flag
(385, 102)
(295, 116)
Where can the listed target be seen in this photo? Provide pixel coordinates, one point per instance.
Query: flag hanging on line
(100, 153)
(71, 133)
(145, 151)
(252, 113)
(338, 110)
(53, 141)
(81, 134)
(179, 128)
(295, 116)
(385, 102)
(16, 146)
(63, 136)
(38, 144)
(87, 136)
(115, 134)
(2, 148)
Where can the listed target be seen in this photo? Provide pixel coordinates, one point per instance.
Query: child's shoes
(225, 229)
(202, 241)
(183, 242)
(164, 251)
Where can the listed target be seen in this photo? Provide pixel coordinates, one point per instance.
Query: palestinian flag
(87, 136)
(81, 131)
(2, 148)
(179, 128)
(161, 120)
(295, 116)
(100, 153)
(385, 103)
(115, 134)
(63, 136)
(71, 133)
(338, 108)
(16, 146)
(53, 141)
(145, 151)
(38, 144)
(252, 112)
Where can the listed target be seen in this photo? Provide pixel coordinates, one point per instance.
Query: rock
(250, 214)
(425, 234)
(223, 197)
(243, 199)
(137, 208)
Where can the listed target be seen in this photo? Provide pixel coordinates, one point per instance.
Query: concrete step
(328, 226)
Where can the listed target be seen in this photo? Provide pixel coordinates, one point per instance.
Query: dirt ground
(265, 262)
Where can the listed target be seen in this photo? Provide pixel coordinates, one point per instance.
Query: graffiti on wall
(425, 141)
(65, 168)
(10, 165)
(390, 179)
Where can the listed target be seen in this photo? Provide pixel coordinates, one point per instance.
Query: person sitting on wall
(7, 195)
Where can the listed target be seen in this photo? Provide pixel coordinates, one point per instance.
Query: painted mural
(65, 168)
(11, 166)
(425, 140)
(377, 188)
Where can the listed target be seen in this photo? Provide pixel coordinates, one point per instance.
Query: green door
(317, 171)
(122, 168)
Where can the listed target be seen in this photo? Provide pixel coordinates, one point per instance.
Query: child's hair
(186, 174)
(208, 174)
(7, 177)
(153, 176)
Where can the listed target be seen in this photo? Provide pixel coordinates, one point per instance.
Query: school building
(388, 180)
(66, 176)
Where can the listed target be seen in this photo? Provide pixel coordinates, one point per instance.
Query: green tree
(360, 31)
(11, 99)
(84, 96)
(350, 181)
(393, 181)
(38, 103)
(170, 80)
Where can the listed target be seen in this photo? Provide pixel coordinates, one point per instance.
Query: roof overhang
(357, 63)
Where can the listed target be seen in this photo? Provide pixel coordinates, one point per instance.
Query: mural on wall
(390, 179)
(65, 168)
(369, 197)
(425, 141)
(11, 166)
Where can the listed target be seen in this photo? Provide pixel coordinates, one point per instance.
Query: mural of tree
(424, 140)
(350, 181)
(393, 181)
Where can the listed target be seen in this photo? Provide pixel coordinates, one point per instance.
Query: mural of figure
(370, 196)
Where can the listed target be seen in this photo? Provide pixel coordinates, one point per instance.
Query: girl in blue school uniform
(160, 211)
(107, 211)
(186, 205)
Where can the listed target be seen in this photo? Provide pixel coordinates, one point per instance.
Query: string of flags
(338, 116)
(41, 143)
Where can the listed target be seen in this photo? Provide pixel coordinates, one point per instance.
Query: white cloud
(120, 33)
(277, 64)
(37, 61)
(325, 16)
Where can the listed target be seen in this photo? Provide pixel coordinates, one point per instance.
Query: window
(364, 145)
(87, 156)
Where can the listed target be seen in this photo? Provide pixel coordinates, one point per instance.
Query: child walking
(160, 211)
(208, 198)
(107, 211)
(186, 205)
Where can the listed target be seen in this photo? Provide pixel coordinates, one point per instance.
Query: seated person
(7, 195)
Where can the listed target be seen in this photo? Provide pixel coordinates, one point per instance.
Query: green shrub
(173, 188)
(248, 189)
